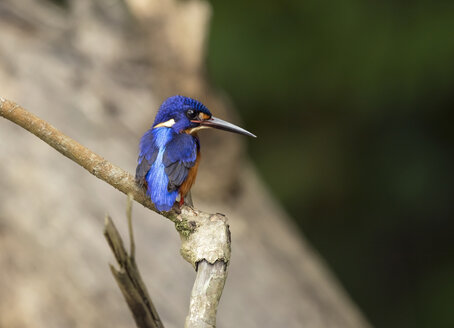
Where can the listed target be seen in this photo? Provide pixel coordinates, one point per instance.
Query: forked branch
(205, 237)
(128, 275)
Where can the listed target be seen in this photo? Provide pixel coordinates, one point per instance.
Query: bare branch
(130, 281)
(206, 294)
(93, 163)
(208, 247)
(205, 237)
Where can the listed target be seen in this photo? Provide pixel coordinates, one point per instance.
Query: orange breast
(187, 184)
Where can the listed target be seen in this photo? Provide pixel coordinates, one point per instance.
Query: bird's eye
(191, 114)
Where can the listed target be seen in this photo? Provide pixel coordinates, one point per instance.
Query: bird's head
(186, 115)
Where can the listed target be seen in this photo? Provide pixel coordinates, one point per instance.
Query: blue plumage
(168, 155)
(153, 146)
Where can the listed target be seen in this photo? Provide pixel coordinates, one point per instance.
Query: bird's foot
(176, 207)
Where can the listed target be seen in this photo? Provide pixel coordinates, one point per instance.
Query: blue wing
(164, 161)
(180, 155)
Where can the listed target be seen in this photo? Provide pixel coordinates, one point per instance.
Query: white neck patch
(167, 124)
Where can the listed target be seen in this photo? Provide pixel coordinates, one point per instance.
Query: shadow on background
(353, 105)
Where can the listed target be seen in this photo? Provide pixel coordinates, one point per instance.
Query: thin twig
(132, 245)
(130, 281)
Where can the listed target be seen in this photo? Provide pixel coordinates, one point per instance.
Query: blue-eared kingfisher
(169, 152)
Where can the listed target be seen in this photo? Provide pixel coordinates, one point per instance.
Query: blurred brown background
(98, 71)
(352, 105)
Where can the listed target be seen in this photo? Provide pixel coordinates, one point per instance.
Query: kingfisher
(169, 152)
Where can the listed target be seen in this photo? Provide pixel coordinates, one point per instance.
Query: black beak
(217, 123)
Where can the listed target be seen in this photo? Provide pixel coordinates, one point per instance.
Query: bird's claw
(176, 208)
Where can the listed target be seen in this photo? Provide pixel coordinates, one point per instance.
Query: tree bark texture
(99, 70)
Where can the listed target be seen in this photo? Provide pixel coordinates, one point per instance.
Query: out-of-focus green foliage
(353, 105)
